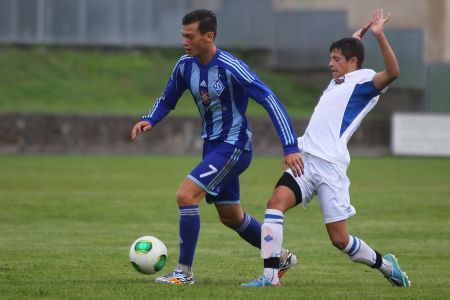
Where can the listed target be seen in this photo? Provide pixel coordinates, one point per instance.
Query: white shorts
(330, 183)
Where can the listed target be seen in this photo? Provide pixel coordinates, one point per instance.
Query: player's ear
(354, 62)
(210, 36)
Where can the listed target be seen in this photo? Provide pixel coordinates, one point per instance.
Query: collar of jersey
(212, 62)
(351, 76)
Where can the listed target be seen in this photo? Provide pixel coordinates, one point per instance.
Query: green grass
(66, 224)
(93, 81)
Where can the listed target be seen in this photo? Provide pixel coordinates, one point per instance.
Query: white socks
(271, 241)
(358, 251)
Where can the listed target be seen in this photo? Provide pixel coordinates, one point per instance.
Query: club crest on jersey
(340, 80)
(218, 87)
(206, 99)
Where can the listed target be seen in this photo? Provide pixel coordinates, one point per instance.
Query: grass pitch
(66, 224)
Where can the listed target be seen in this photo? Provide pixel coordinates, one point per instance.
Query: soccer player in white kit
(351, 94)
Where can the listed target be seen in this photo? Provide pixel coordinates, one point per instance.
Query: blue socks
(189, 230)
(250, 230)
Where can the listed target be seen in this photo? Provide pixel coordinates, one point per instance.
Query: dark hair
(206, 18)
(350, 47)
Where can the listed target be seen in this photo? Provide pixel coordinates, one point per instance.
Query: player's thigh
(305, 183)
(229, 193)
(334, 199)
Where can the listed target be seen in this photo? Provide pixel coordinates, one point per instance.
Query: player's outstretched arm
(392, 71)
(139, 127)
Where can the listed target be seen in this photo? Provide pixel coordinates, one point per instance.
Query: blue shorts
(218, 173)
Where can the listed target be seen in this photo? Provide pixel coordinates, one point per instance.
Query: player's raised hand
(378, 20)
(139, 127)
(294, 161)
(358, 34)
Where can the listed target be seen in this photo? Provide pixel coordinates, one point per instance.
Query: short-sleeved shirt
(338, 114)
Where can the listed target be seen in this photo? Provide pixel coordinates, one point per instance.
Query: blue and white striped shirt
(221, 90)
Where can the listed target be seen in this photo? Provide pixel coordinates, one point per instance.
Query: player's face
(339, 66)
(194, 42)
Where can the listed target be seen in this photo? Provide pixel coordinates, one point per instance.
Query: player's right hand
(378, 20)
(294, 161)
(139, 127)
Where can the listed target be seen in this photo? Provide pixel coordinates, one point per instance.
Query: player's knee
(232, 219)
(276, 203)
(184, 199)
(281, 199)
(339, 243)
(229, 221)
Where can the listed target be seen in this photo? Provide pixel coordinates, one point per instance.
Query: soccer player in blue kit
(220, 85)
(351, 94)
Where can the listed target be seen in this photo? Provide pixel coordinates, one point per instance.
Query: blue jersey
(221, 90)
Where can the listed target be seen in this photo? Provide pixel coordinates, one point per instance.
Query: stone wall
(83, 134)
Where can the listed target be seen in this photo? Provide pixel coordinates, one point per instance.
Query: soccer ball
(148, 254)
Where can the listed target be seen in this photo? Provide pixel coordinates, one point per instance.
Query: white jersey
(338, 114)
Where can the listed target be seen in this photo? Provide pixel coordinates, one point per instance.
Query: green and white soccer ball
(148, 254)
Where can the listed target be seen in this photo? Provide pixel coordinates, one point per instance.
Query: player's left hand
(293, 161)
(358, 34)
